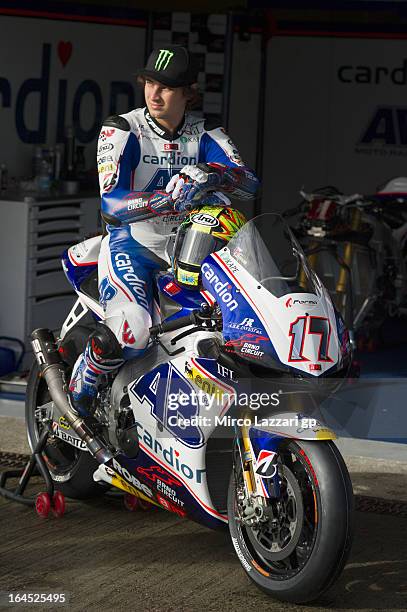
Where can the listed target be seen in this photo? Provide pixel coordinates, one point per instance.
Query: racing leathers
(137, 158)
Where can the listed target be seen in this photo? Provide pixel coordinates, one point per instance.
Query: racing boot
(102, 355)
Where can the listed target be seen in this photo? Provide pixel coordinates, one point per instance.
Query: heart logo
(64, 51)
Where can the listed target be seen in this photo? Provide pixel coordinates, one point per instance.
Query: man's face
(164, 102)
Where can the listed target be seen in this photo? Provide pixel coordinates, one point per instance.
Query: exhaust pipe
(52, 369)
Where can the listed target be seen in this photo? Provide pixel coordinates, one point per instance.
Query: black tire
(71, 469)
(321, 545)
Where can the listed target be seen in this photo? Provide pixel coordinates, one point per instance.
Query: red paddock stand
(133, 503)
(45, 502)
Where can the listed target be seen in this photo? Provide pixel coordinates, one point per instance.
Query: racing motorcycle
(357, 245)
(186, 428)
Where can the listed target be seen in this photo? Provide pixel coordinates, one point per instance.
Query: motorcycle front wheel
(300, 547)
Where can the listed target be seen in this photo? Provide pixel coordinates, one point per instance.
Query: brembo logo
(290, 303)
(221, 289)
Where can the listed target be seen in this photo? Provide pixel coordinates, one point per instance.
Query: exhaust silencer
(52, 369)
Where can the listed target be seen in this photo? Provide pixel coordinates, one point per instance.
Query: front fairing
(279, 320)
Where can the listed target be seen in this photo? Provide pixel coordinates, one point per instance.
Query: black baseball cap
(172, 65)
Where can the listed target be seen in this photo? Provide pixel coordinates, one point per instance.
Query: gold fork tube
(247, 473)
(348, 253)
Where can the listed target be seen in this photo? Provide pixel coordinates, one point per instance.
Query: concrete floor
(106, 558)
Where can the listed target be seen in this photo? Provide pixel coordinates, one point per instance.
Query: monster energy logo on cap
(173, 66)
(164, 59)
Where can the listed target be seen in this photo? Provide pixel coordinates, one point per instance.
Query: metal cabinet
(33, 236)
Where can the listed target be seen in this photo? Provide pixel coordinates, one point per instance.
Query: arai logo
(204, 219)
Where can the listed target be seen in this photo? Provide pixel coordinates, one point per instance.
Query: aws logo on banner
(387, 126)
(41, 86)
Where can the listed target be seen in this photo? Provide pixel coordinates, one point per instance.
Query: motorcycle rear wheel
(71, 469)
(300, 555)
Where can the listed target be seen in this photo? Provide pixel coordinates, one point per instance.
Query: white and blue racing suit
(136, 159)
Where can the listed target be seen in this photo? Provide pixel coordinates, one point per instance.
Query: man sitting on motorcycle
(153, 160)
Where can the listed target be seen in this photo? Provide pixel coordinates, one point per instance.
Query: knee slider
(105, 344)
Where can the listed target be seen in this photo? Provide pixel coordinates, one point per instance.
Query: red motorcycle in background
(357, 245)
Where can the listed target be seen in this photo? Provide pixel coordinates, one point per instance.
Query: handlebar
(340, 199)
(196, 317)
(161, 328)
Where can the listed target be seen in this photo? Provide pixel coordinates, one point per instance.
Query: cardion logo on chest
(171, 157)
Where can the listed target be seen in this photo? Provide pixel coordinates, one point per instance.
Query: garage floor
(105, 557)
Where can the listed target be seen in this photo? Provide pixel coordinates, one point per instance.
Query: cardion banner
(53, 76)
(337, 115)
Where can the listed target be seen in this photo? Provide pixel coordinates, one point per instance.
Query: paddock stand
(43, 502)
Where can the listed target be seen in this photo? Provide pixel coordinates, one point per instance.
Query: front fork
(255, 485)
(246, 456)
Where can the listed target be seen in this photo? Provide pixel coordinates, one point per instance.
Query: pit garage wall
(244, 102)
(54, 73)
(336, 114)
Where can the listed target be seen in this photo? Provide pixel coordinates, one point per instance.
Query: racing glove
(216, 198)
(194, 182)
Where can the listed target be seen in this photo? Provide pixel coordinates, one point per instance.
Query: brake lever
(199, 327)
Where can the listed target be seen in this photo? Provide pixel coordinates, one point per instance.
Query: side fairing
(176, 406)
